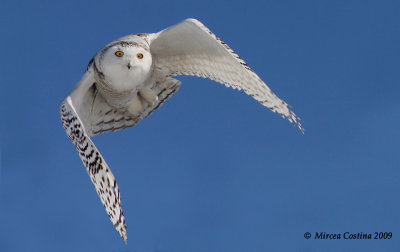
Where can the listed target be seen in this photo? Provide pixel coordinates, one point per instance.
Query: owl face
(125, 67)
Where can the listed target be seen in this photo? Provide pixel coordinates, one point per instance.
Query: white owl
(131, 77)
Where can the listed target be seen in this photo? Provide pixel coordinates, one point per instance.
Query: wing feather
(85, 113)
(73, 106)
(104, 118)
(190, 48)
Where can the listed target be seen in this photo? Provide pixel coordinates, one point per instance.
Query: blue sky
(211, 170)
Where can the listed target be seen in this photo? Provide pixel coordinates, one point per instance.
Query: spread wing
(190, 48)
(75, 113)
(85, 113)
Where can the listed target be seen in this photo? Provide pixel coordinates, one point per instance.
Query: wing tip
(124, 236)
(289, 114)
(295, 120)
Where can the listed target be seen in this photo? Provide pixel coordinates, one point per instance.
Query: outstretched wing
(75, 113)
(190, 48)
(85, 113)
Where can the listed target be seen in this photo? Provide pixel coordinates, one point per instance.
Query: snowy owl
(131, 77)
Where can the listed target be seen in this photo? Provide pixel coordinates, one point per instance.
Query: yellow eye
(119, 53)
(139, 55)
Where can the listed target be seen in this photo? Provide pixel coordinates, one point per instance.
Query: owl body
(132, 76)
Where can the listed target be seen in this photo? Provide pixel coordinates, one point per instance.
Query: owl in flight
(132, 76)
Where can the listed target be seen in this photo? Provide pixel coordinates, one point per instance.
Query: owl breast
(121, 70)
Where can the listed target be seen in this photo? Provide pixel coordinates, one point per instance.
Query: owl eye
(119, 53)
(139, 55)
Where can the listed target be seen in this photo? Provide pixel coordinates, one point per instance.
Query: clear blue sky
(212, 170)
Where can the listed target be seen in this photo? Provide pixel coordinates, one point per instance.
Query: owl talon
(150, 96)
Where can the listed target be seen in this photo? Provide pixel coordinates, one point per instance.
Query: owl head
(125, 64)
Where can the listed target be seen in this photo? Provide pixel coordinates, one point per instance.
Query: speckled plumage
(116, 92)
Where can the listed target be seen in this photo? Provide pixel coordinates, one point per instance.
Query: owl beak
(129, 65)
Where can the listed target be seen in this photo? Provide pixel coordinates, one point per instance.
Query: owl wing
(75, 116)
(190, 48)
(85, 113)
